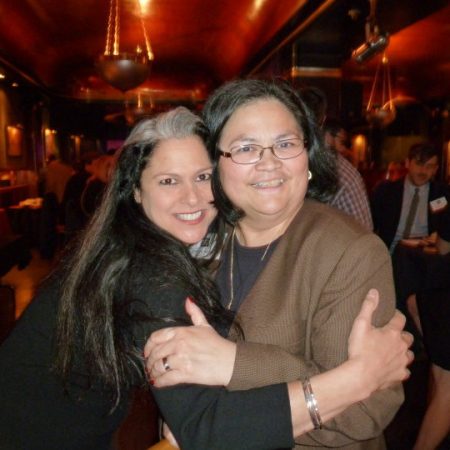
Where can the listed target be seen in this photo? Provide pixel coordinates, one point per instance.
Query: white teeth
(271, 183)
(190, 216)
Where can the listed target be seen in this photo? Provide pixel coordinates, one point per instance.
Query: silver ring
(166, 364)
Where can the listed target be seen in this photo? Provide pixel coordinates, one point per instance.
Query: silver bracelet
(311, 404)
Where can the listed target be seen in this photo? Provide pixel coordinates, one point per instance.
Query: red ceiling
(197, 45)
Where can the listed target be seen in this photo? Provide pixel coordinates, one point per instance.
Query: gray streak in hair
(178, 123)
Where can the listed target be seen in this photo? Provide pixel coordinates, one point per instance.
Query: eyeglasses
(252, 153)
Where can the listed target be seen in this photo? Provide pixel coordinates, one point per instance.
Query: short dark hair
(316, 99)
(422, 152)
(228, 98)
(333, 125)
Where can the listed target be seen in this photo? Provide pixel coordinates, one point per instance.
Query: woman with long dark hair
(67, 368)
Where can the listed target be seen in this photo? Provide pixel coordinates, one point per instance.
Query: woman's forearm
(334, 391)
(378, 359)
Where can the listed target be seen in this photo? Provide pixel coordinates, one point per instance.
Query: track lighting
(375, 44)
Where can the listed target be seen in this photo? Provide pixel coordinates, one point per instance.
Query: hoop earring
(309, 175)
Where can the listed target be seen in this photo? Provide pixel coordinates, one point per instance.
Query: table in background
(11, 195)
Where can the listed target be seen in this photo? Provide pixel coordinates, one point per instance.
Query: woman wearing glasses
(295, 271)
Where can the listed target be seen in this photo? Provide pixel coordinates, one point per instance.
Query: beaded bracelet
(311, 404)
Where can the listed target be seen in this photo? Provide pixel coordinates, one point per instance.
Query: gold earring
(309, 175)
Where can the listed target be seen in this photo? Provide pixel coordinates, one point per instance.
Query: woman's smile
(194, 217)
(277, 182)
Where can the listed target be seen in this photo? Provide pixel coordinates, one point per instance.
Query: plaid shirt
(351, 196)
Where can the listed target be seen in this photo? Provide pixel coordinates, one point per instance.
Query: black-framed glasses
(252, 153)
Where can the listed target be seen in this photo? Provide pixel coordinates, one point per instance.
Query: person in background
(351, 196)
(67, 368)
(410, 207)
(96, 185)
(294, 271)
(56, 177)
(432, 304)
(337, 138)
(74, 218)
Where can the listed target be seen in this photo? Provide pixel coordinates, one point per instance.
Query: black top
(248, 264)
(36, 412)
(444, 224)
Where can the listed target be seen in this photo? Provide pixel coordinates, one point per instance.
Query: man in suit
(410, 206)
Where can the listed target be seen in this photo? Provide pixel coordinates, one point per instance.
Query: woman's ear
(137, 195)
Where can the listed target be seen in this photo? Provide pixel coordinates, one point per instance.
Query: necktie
(411, 213)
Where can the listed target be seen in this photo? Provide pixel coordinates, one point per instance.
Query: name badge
(438, 205)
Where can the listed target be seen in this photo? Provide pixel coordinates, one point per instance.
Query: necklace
(231, 277)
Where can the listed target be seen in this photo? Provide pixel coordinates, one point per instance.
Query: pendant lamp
(124, 70)
(380, 111)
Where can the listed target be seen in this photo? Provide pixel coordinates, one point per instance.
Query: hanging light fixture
(380, 111)
(124, 70)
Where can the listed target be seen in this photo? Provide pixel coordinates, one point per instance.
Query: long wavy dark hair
(93, 278)
(222, 104)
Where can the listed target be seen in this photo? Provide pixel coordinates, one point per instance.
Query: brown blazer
(298, 316)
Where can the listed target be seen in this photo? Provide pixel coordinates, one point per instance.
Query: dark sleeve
(375, 205)
(211, 417)
(444, 225)
(205, 418)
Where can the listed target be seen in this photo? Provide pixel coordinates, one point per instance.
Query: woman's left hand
(195, 354)
(383, 353)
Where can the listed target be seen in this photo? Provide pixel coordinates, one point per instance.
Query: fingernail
(152, 381)
(191, 300)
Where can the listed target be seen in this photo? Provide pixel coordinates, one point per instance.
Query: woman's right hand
(383, 353)
(195, 354)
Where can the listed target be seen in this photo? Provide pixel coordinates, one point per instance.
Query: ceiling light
(380, 111)
(124, 70)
